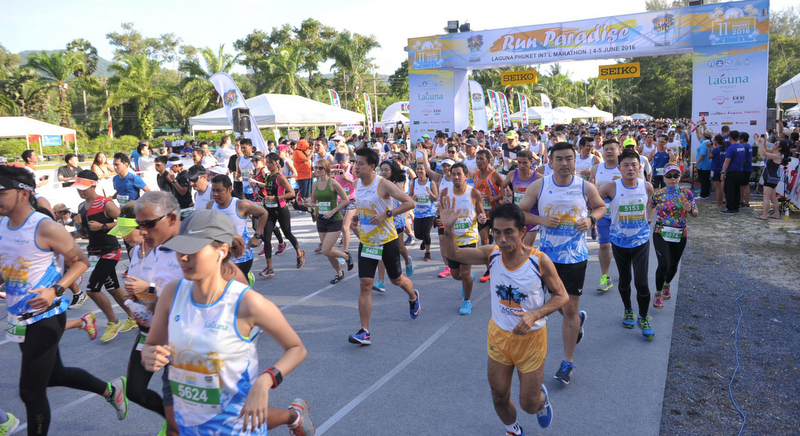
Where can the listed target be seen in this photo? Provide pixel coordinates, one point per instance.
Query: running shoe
(301, 259)
(362, 337)
(379, 286)
(414, 306)
(409, 267)
(581, 333)
(118, 398)
(112, 330)
(521, 432)
(11, 423)
(658, 303)
(427, 258)
(545, 414)
(78, 300)
(605, 283)
(665, 292)
(728, 212)
(485, 277)
(304, 426)
(163, 431)
(281, 249)
(337, 279)
(628, 321)
(409, 241)
(262, 252)
(268, 272)
(90, 325)
(647, 330)
(564, 372)
(466, 307)
(445, 272)
(349, 262)
(251, 279)
(128, 325)
(318, 250)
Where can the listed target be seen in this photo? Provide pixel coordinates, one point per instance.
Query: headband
(9, 183)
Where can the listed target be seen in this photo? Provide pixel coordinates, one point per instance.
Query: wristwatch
(594, 220)
(389, 213)
(59, 289)
(257, 236)
(105, 227)
(275, 373)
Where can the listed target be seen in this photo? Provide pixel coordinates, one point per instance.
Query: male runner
(630, 237)
(602, 173)
(470, 214)
(126, 183)
(198, 178)
(376, 236)
(443, 180)
(563, 199)
(488, 181)
(517, 335)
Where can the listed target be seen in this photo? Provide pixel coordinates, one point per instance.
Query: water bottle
(140, 313)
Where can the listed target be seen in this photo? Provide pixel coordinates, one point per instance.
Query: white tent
(789, 92)
(594, 112)
(534, 113)
(392, 121)
(21, 127)
(566, 114)
(793, 111)
(277, 110)
(397, 107)
(642, 116)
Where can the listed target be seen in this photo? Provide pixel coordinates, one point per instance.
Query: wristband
(275, 373)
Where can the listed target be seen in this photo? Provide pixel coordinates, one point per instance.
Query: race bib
(631, 211)
(671, 234)
(659, 171)
(487, 204)
(15, 332)
(197, 394)
(324, 206)
(270, 203)
(347, 191)
(518, 197)
(371, 252)
(423, 200)
(122, 199)
(141, 341)
(462, 225)
(93, 261)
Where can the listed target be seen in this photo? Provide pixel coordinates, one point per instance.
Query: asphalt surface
(419, 377)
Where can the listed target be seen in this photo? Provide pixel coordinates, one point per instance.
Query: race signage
(519, 77)
(620, 71)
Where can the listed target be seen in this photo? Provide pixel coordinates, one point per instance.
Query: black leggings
(638, 257)
(42, 368)
(422, 229)
(669, 256)
(282, 216)
(245, 266)
(138, 379)
(276, 231)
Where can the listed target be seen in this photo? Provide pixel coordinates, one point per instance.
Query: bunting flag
(523, 108)
(368, 110)
(478, 106)
(334, 98)
(232, 98)
(504, 110)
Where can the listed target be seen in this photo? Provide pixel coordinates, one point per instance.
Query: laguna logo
(430, 84)
(728, 80)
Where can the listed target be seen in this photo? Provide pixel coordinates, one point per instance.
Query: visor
(83, 184)
(124, 227)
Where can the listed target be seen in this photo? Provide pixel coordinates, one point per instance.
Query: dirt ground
(702, 355)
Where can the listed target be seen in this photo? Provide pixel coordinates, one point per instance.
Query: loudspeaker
(772, 116)
(241, 120)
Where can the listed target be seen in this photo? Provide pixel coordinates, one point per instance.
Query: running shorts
(104, 274)
(604, 230)
(329, 226)
(390, 257)
(452, 264)
(525, 352)
(572, 275)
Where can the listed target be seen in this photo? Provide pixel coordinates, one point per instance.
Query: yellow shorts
(525, 352)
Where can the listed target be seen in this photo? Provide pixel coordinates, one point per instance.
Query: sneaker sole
(560, 379)
(353, 340)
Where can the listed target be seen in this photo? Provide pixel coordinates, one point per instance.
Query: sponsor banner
(620, 71)
(519, 77)
(51, 140)
(730, 87)
(368, 110)
(624, 36)
(495, 102)
(547, 116)
(432, 93)
(232, 98)
(479, 121)
(523, 108)
(504, 112)
(334, 98)
(792, 177)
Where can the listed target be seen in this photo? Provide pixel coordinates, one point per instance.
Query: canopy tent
(789, 92)
(279, 110)
(392, 121)
(397, 107)
(22, 127)
(637, 117)
(793, 111)
(594, 112)
(534, 113)
(566, 114)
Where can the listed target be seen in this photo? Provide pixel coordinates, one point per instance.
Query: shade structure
(793, 111)
(637, 117)
(280, 110)
(534, 113)
(392, 121)
(21, 127)
(566, 114)
(789, 91)
(594, 112)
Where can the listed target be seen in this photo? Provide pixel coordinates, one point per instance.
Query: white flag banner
(547, 119)
(368, 110)
(523, 109)
(478, 106)
(231, 99)
(334, 98)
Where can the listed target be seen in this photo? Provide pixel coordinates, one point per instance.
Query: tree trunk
(85, 109)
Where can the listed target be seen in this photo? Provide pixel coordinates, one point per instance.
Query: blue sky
(49, 24)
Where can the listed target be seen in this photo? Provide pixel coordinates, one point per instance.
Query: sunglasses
(149, 224)
(672, 176)
(319, 168)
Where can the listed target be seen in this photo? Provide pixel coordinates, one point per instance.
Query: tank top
(629, 227)
(142, 267)
(605, 175)
(25, 266)
(445, 184)
(425, 206)
(273, 189)
(327, 200)
(487, 188)
(565, 243)
(239, 224)
(348, 186)
(583, 164)
(548, 170)
(287, 172)
(519, 187)
(213, 364)
(771, 172)
(166, 269)
(646, 150)
(368, 203)
(100, 242)
(514, 290)
(202, 199)
(246, 168)
(660, 160)
(472, 166)
(466, 227)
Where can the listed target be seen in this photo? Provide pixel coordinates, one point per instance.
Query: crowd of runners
(193, 235)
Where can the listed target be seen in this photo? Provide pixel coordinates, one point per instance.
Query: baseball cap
(219, 169)
(708, 134)
(338, 138)
(511, 134)
(671, 167)
(472, 141)
(628, 142)
(194, 172)
(200, 229)
(448, 162)
(426, 136)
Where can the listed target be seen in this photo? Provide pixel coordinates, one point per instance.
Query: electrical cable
(736, 336)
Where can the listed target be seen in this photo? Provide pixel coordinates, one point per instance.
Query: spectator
(30, 159)
(302, 164)
(703, 164)
(146, 160)
(67, 173)
(101, 167)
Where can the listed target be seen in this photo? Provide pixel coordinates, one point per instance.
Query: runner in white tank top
(602, 174)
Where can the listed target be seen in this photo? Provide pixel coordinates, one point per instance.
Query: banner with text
(620, 71)
(232, 98)
(479, 121)
(504, 110)
(368, 110)
(431, 93)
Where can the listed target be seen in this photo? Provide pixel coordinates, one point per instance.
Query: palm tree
(56, 70)
(598, 93)
(195, 77)
(350, 53)
(283, 73)
(135, 82)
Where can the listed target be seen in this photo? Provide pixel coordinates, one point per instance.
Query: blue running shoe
(545, 414)
(644, 324)
(409, 267)
(379, 286)
(466, 307)
(628, 321)
(414, 306)
(581, 334)
(362, 338)
(564, 372)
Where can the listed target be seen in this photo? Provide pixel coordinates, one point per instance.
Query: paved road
(419, 377)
